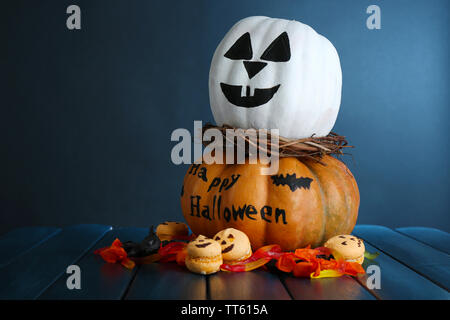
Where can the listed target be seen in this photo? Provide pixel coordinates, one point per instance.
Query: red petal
(116, 243)
(234, 268)
(171, 248)
(181, 257)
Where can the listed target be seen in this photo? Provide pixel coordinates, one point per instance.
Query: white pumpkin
(276, 74)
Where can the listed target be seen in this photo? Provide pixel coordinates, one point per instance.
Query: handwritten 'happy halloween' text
(216, 211)
(235, 213)
(223, 184)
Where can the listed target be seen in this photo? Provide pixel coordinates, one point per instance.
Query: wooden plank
(99, 280)
(425, 260)
(254, 285)
(435, 238)
(19, 241)
(166, 281)
(342, 288)
(399, 282)
(30, 274)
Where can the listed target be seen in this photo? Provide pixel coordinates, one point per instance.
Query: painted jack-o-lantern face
(277, 51)
(235, 244)
(202, 242)
(276, 74)
(203, 255)
(347, 247)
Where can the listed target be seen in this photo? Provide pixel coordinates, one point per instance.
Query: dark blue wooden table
(414, 264)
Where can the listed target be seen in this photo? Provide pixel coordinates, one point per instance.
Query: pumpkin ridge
(322, 197)
(339, 171)
(346, 186)
(335, 175)
(338, 174)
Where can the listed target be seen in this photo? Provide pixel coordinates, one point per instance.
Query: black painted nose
(253, 67)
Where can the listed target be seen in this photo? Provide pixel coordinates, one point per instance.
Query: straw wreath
(313, 148)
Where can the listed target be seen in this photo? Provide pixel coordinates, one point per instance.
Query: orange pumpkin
(305, 203)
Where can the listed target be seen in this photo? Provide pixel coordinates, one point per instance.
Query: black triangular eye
(241, 49)
(279, 50)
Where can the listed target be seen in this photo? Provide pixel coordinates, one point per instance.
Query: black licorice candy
(149, 245)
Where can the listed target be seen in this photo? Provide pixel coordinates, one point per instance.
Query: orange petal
(306, 254)
(109, 256)
(303, 269)
(285, 263)
(353, 268)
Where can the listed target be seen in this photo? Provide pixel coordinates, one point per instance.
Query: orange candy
(116, 253)
(302, 263)
(303, 269)
(286, 262)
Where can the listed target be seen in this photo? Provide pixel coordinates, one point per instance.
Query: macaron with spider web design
(235, 245)
(204, 255)
(346, 247)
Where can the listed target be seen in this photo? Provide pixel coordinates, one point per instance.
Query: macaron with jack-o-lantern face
(204, 255)
(235, 245)
(347, 247)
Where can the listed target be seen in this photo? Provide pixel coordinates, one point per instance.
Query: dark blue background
(86, 116)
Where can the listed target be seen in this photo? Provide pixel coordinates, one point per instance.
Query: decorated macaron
(235, 245)
(170, 229)
(204, 255)
(347, 247)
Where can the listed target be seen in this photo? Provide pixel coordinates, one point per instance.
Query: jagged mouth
(260, 96)
(228, 249)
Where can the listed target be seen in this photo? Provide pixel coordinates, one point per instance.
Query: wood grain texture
(19, 241)
(31, 273)
(342, 288)
(399, 282)
(423, 259)
(166, 281)
(254, 285)
(409, 269)
(100, 280)
(435, 238)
